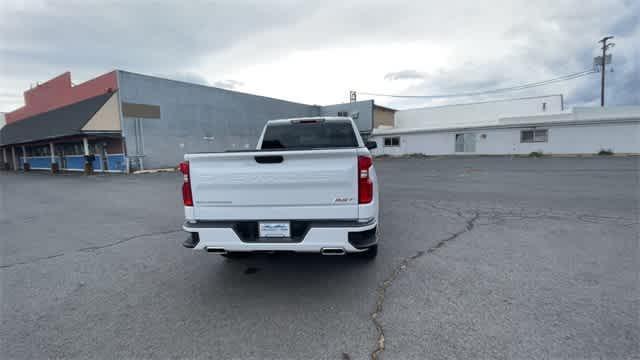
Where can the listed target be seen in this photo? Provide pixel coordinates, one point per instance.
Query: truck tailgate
(275, 185)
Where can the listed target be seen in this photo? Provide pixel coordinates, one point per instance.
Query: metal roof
(579, 116)
(65, 121)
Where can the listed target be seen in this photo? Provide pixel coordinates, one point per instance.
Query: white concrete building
(477, 113)
(518, 126)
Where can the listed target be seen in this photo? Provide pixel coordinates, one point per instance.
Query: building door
(103, 157)
(470, 142)
(465, 143)
(137, 155)
(459, 142)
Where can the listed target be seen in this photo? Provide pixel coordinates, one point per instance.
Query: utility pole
(605, 46)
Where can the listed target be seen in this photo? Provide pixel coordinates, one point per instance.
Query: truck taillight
(365, 185)
(187, 198)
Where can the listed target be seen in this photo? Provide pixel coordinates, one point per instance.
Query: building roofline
(383, 107)
(485, 102)
(73, 95)
(212, 87)
(36, 121)
(64, 74)
(61, 138)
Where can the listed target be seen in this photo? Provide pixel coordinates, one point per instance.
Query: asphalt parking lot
(481, 258)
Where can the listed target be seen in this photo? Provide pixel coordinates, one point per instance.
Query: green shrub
(605, 152)
(536, 154)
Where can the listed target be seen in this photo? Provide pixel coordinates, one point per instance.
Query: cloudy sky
(316, 51)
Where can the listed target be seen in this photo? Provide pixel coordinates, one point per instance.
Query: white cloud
(404, 75)
(315, 52)
(228, 84)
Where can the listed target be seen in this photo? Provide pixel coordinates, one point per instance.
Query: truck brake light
(365, 185)
(187, 197)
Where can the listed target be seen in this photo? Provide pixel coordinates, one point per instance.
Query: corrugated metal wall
(364, 110)
(195, 118)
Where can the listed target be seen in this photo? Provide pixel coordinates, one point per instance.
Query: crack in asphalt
(382, 288)
(499, 215)
(88, 249)
(31, 261)
(455, 212)
(470, 224)
(93, 248)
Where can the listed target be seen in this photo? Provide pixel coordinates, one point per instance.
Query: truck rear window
(301, 136)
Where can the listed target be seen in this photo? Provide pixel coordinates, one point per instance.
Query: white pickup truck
(309, 187)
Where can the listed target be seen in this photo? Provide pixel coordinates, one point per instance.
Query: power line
(492, 91)
(513, 88)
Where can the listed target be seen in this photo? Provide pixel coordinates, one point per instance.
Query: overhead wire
(491, 91)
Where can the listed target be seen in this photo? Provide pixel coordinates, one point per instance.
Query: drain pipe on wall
(140, 138)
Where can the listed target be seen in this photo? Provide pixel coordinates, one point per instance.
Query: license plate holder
(274, 229)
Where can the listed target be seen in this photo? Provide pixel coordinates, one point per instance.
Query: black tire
(370, 254)
(236, 255)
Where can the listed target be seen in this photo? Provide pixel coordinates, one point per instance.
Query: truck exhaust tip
(220, 251)
(332, 251)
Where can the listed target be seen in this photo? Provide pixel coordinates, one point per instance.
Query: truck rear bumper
(223, 237)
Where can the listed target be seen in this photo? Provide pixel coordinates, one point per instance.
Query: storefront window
(42, 150)
(73, 149)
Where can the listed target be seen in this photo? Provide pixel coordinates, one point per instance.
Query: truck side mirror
(371, 145)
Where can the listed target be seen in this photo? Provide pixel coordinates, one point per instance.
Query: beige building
(383, 117)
